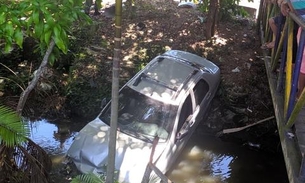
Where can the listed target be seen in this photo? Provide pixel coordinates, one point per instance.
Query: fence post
(296, 74)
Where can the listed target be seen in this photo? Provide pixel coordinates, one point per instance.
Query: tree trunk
(212, 18)
(115, 92)
(24, 95)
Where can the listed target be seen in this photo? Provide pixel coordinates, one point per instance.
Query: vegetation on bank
(78, 76)
(21, 160)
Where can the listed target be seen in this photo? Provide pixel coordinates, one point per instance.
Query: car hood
(89, 152)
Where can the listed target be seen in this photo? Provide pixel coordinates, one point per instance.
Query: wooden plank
(289, 144)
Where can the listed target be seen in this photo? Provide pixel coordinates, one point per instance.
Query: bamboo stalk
(296, 110)
(288, 65)
(276, 57)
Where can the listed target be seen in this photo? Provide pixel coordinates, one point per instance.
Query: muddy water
(206, 159)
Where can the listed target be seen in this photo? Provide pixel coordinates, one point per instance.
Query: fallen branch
(233, 130)
(24, 95)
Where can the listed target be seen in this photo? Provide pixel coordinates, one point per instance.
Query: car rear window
(163, 78)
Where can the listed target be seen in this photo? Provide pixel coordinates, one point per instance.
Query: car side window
(200, 91)
(185, 112)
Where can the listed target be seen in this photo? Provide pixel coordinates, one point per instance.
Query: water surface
(206, 159)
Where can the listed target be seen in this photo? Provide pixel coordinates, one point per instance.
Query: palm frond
(12, 130)
(27, 162)
(87, 178)
(34, 162)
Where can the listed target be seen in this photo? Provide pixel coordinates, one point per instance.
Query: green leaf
(18, 36)
(2, 18)
(49, 5)
(50, 22)
(57, 30)
(60, 44)
(72, 2)
(87, 178)
(3, 8)
(29, 22)
(47, 36)
(36, 17)
(64, 35)
(52, 59)
(15, 21)
(38, 29)
(9, 29)
(12, 130)
(8, 47)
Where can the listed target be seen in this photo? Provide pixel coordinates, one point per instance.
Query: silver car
(167, 99)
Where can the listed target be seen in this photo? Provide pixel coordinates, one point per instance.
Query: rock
(187, 5)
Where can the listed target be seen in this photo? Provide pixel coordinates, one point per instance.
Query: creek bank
(244, 96)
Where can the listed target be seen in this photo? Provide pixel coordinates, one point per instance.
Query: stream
(206, 159)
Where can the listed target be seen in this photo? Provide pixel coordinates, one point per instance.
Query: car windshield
(141, 116)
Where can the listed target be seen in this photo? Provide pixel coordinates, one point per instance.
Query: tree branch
(24, 95)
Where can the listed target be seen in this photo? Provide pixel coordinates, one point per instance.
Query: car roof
(164, 77)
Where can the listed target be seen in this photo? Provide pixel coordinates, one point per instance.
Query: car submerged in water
(167, 99)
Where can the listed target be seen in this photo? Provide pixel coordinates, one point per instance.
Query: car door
(190, 112)
(184, 130)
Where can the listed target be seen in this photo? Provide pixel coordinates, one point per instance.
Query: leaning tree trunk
(32, 85)
(115, 92)
(212, 19)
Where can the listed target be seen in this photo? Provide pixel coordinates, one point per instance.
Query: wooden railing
(283, 78)
(288, 74)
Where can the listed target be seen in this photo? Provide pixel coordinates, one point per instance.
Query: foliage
(88, 178)
(21, 159)
(26, 162)
(13, 81)
(12, 130)
(88, 4)
(86, 89)
(204, 6)
(228, 8)
(48, 22)
(40, 19)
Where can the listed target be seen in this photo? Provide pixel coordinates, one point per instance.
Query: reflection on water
(54, 139)
(220, 166)
(206, 159)
(199, 165)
